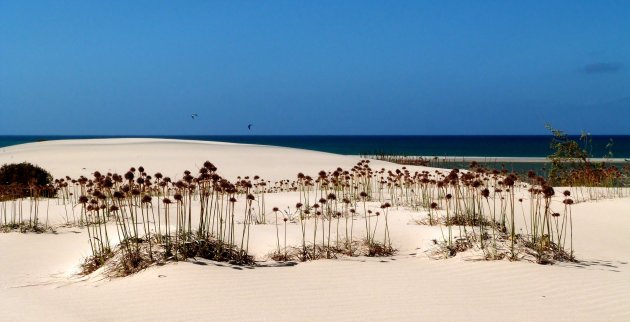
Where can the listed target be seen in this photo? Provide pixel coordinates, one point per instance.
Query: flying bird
(194, 115)
(249, 127)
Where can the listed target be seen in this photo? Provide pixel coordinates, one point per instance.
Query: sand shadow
(204, 262)
(200, 263)
(600, 264)
(275, 264)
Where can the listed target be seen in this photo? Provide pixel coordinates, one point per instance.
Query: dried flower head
(548, 191)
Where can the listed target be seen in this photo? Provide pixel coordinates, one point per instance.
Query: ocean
(410, 145)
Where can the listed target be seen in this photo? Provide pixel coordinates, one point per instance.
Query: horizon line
(261, 135)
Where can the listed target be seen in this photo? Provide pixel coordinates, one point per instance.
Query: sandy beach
(40, 280)
(314, 161)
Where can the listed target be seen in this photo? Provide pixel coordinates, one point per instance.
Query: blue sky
(314, 67)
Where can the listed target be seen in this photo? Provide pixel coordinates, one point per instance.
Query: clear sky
(314, 67)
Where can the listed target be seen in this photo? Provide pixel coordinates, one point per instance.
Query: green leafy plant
(567, 156)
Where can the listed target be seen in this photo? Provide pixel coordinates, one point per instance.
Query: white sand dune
(38, 278)
(172, 157)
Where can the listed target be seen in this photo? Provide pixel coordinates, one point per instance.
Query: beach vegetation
(23, 189)
(136, 220)
(24, 174)
(572, 166)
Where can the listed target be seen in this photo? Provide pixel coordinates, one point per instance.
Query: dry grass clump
(293, 253)
(378, 249)
(26, 227)
(482, 206)
(93, 263)
(120, 263)
(443, 250)
(357, 248)
(147, 237)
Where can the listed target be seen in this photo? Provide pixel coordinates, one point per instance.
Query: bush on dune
(24, 174)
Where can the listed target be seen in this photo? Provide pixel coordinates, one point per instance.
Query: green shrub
(571, 163)
(23, 174)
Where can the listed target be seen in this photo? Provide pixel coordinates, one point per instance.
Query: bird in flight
(194, 115)
(249, 127)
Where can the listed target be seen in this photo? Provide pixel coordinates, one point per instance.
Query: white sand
(38, 278)
(172, 157)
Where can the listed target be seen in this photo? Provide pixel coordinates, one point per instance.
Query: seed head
(548, 191)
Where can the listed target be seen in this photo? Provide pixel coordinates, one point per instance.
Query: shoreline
(491, 159)
(431, 158)
(503, 148)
